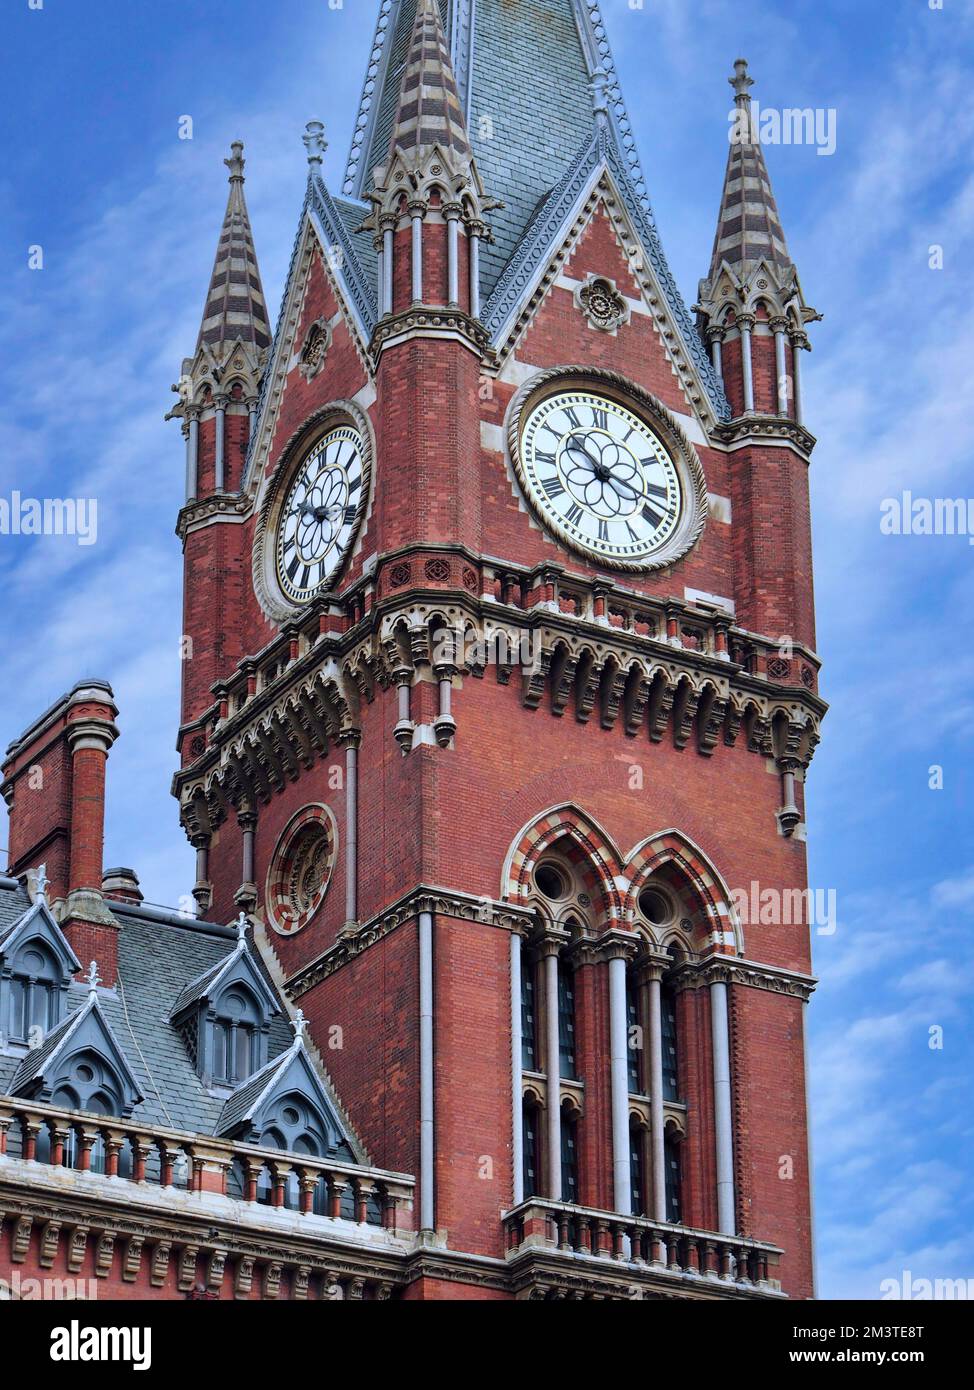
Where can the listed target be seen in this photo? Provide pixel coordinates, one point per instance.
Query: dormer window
(224, 1016)
(87, 1082)
(236, 1045)
(35, 993)
(36, 966)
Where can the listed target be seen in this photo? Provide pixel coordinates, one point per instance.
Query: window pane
(530, 1150)
(18, 1008)
(529, 1041)
(242, 1047)
(221, 1046)
(569, 1160)
(670, 1082)
(673, 1195)
(566, 1022)
(40, 1007)
(633, 1039)
(636, 1171)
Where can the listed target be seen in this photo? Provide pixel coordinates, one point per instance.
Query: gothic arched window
(34, 991)
(237, 1019)
(85, 1081)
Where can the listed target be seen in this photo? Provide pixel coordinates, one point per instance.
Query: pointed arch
(542, 832)
(672, 847)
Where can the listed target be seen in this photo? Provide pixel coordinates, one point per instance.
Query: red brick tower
(500, 681)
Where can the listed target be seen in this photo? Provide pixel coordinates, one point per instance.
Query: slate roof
(239, 1105)
(524, 131)
(156, 962)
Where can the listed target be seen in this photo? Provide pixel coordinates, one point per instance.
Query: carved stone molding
(602, 304)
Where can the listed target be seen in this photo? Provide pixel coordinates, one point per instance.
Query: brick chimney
(54, 787)
(122, 885)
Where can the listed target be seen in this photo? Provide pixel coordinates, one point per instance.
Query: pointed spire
(429, 112)
(235, 307)
(748, 226)
(93, 980)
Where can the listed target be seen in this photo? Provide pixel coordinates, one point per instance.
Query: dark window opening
(566, 1022)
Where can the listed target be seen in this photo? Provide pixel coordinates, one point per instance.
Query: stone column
(246, 895)
(716, 350)
(386, 222)
(618, 948)
(452, 213)
(517, 1109)
(474, 232)
(416, 213)
(351, 739)
(427, 1138)
(745, 322)
(219, 424)
(779, 327)
(192, 452)
(799, 344)
(723, 1121)
(651, 974)
(549, 947)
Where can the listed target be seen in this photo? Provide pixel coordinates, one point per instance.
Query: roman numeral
(554, 487)
(350, 515)
(600, 418)
(573, 514)
(542, 457)
(573, 419)
(603, 530)
(658, 490)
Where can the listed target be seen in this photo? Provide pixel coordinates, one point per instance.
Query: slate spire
(748, 226)
(429, 113)
(235, 308)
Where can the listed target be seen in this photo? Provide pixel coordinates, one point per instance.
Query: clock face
(320, 513)
(600, 477)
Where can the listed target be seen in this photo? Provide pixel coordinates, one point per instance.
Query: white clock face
(600, 477)
(320, 513)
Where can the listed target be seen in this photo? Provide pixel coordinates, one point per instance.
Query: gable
(85, 1033)
(238, 968)
(655, 345)
(325, 283)
(258, 1105)
(38, 924)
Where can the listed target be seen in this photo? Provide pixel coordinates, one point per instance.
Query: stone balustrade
(638, 1243)
(131, 1152)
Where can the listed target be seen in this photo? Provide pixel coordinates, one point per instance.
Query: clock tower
(500, 682)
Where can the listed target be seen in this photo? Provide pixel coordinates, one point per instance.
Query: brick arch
(545, 830)
(672, 847)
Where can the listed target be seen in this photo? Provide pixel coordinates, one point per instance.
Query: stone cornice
(763, 430)
(423, 321)
(445, 902)
(232, 507)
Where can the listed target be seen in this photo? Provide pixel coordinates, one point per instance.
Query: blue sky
(127, 216)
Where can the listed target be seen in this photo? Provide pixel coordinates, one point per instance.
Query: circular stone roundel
(606, 469)
(301, 869)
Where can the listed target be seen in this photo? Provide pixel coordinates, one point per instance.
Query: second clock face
(599, 476)
(320, 513)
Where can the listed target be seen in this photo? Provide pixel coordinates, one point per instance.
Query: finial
(41, 881)
(94, 980)
(241, 925)
(741, 82)
(300, 1023)
(236, 161)
(600, 104)
(316, 144)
